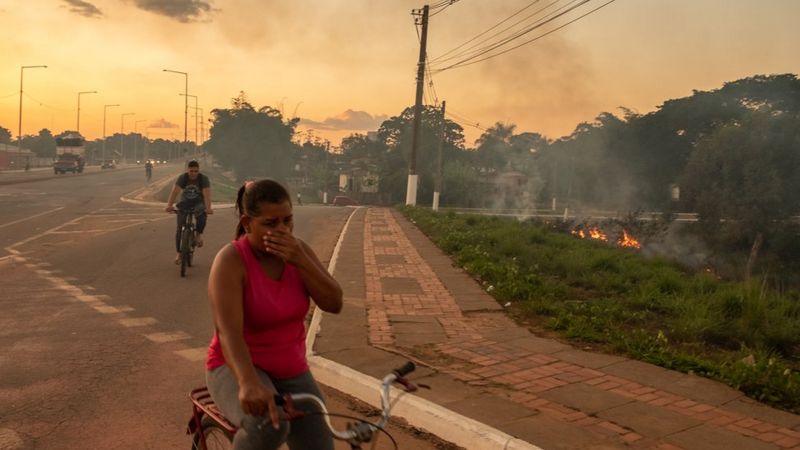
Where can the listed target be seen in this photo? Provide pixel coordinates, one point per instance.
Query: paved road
(100, 340)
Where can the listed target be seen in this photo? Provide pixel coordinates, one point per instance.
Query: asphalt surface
(100, 339)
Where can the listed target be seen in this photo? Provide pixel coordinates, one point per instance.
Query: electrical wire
(519, 34)
(41, 103)
(462, 64)
(488, 30)
(514, 34)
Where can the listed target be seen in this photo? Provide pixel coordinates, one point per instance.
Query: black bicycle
(188, 239)
(210, 430)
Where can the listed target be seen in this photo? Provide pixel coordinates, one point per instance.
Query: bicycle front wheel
(216, 437)
(186, 250)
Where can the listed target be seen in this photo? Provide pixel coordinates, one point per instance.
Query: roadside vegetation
(741, 333)
(223, 187)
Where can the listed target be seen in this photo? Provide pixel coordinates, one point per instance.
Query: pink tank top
(274, 319)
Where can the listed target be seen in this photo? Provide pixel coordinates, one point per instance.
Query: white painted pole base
(411, 190)
(436, 201)
(324, 198)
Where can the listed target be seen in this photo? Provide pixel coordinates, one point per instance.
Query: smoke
(84, 9)
(184, 11)
(348, 120)
(681, 246)
(163, 123)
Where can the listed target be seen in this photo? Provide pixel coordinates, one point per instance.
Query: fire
(597, 233)
(579, 233)
(594, 233)
(628, 241)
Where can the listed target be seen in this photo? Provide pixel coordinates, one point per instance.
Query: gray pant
(308, 433)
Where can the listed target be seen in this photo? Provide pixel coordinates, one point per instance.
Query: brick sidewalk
(404, 297)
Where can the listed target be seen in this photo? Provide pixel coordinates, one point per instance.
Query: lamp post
(105, 110)
(136, 140)
(19, 130)
(186, 104)
(122, 133)
(78, 125)
(195, 116)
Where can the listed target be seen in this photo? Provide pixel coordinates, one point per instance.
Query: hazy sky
(347, 64)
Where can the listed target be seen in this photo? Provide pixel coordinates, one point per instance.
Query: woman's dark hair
(253, 193)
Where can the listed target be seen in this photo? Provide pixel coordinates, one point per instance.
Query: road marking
(105, 309)
(167, 336)
(137, 321)
(193, 354)
(88, 298)
(31, 217)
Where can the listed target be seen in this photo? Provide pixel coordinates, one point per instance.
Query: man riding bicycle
(195, 190)
(148, 169)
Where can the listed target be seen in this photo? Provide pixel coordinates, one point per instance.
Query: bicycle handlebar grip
(405, 369)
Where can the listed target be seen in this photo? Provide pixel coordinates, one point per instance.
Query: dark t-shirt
(192, 194)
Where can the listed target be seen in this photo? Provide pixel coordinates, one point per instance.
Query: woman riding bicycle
(259, 288)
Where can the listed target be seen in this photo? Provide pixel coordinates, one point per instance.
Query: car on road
(109, 164)
(343, 200)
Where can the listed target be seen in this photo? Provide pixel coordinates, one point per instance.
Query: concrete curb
(418, 412)
(421, 413)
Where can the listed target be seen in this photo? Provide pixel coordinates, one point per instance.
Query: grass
(653, 310)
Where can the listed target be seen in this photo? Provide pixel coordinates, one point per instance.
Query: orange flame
(597, 233)
(628, 241)
(579, 233)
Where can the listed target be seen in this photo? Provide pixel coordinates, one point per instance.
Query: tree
(43, 144)
(253, 143)
(395, 134)
(5, 136)
(743, 181)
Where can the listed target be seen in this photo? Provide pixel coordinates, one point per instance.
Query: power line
(41, 103)
(486, 31)
(467, 62)
(443, 5)
(519, 33)
(472, 49)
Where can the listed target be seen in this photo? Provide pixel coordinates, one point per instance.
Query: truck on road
(69, 154)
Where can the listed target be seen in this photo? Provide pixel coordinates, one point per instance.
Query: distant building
(13, 158)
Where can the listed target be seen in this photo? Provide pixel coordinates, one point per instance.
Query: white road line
(167, 336)
(88, 298)
(137, 321)
(105, 309)
(31, 217)
(193, 354)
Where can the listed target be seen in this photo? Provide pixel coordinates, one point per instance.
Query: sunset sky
(345, 65)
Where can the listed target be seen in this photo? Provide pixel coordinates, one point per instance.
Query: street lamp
(195, 115)
(19, 130)
(186, 103)
(122, 133)
(78, 126)
(105, 110)
(135, 139)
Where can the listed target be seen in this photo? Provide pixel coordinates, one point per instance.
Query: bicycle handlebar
(360, 432)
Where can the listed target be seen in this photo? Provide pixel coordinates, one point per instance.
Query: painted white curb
(418, 412)
(421, 413)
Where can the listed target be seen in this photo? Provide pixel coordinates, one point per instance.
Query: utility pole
(325, 177)
(122, 135)
(438, 189)
(411, 189)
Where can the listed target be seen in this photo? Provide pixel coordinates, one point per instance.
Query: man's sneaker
(199, 240)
